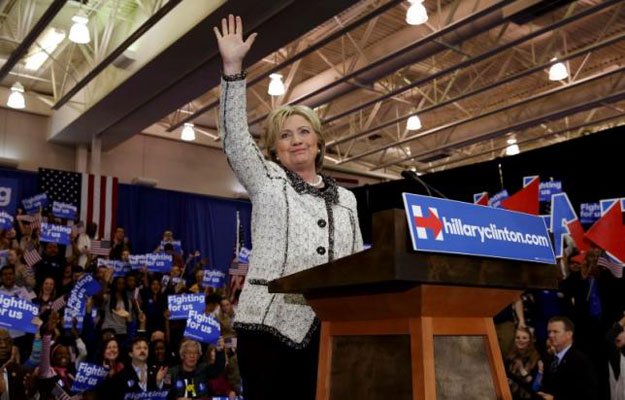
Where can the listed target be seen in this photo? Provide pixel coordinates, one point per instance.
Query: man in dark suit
(568, 374)
(138, 376)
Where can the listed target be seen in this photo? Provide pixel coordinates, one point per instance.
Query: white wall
(174, 164)
(23, 137)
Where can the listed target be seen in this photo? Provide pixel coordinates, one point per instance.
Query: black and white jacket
(294, 227)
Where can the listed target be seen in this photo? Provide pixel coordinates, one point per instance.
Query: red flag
(609, 232)
(481, 198)
(526, 199)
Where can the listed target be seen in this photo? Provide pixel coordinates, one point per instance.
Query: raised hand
(232, 47)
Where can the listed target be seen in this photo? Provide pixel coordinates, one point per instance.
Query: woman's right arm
(244, 156)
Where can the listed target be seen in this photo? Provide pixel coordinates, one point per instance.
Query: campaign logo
(431, 223)
(448, 226)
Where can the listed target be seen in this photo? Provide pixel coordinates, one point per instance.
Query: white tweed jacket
(294, 227)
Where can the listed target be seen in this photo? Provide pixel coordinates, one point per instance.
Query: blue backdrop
(203, 223)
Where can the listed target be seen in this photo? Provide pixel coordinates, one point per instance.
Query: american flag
(33, 220)
(100, 247)
(94, 195)
(614, 267)
(31, 256)
(58, 303)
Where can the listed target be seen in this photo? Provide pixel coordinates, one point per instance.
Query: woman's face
(175, 271)
(120, 285)
(67, 272)
(111, 352)
(61, 357)
(48, 286)
(160, 351)
(190, 357)
(297, 144)
(199, 276)
(12, 257)
(155, 286)
(521, 340)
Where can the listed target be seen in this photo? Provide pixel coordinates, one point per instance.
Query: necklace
(318, 182)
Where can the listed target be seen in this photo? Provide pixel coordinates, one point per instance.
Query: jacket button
(321, 250)
(322, 223)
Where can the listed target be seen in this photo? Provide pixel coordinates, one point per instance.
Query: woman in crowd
(111, 359)
(300, 219)
(118, 309)
(521, 364)
(154, 304)
(24, 273)
(46, 295)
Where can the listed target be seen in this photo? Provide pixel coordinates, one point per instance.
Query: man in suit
(138, 376)
(568, 374)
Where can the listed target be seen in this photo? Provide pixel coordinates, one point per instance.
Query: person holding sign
(300, 219)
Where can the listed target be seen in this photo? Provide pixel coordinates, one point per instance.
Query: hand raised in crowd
(232, 47)
(160, 375)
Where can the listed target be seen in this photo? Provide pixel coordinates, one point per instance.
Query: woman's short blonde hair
(275, 122)
(190, 345)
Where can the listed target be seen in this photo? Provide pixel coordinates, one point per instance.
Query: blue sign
(176, 243)
(549, 188)
(120, 268)
(88, 376)
(448, 226)
(8, 195)
(89, 283)
(137, 261)
(496, 200)
(201, 327)
(589, 213)
(6, 220)
(55, 233)
(151, 395)
(34, 204)
(17, 314)
(214, 278)
(64, 210)
(606, 204)
(244, 255)
(76, 305)
(158, 262)
(180, 305)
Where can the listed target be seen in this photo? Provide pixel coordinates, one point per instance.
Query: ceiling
(476, 73)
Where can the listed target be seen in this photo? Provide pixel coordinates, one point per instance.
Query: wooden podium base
(429, 342)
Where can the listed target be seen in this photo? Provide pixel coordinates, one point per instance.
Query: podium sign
(449, 226)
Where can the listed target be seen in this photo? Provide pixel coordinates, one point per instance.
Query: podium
(399, 324)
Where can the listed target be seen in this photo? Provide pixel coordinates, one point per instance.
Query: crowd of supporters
(126, 327)
(590, 299)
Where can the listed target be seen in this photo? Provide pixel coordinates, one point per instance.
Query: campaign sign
(6, 220)
(55, 233)
(89, 283)
(244, 255)
(88, 376)
(75, 309)
(448, 226)
(201, 327)
(176, 243)
(589, 213)
(64, 210)
(8, 195)
(120, 268)
(549, 188)
(150, 395)
(158, 262)
(137, 261)
(496, 200)
(180, 305)
(214, 278)
(17, 314)
(32, 205)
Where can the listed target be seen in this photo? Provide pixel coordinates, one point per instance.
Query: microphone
(412, 176)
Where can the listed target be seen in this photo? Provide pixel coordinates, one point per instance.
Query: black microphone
(411, 175)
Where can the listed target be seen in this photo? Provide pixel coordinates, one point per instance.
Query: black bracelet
(234, 77)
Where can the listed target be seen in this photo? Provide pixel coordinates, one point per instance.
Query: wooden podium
(398, 324)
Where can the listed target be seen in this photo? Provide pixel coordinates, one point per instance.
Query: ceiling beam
(31, 37)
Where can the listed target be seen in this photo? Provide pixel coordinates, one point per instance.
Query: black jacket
(574, 379)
